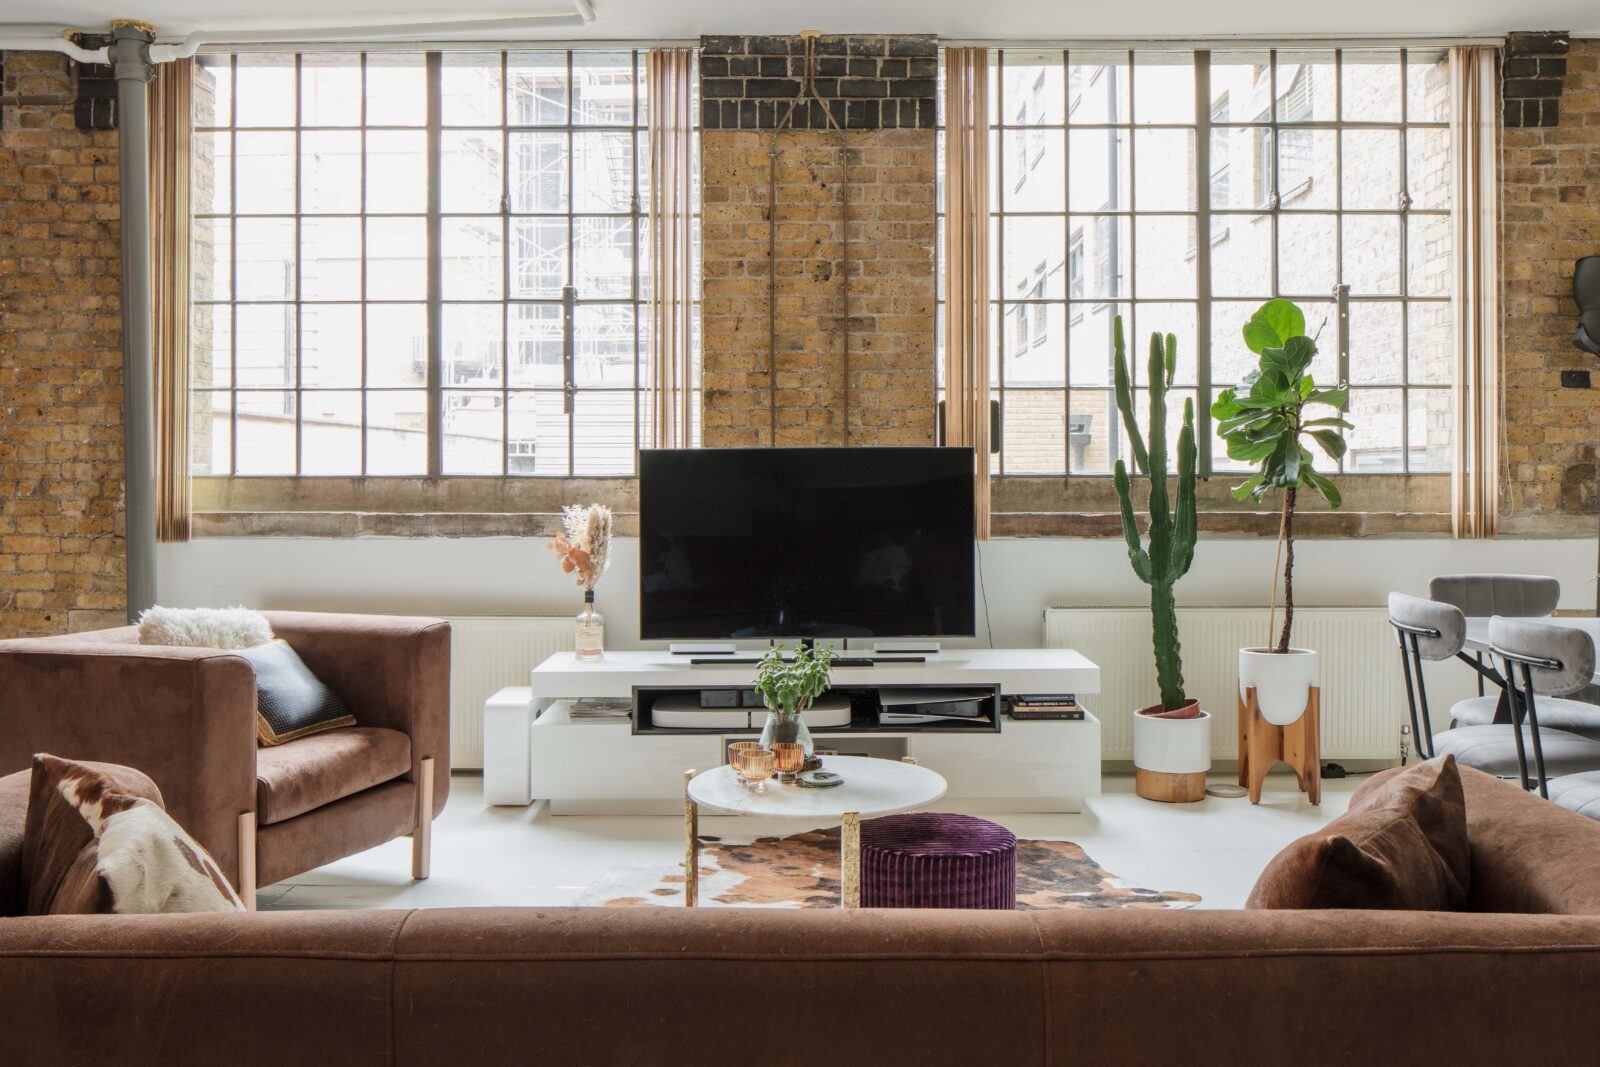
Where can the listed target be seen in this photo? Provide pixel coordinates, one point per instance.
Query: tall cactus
(1172, 528)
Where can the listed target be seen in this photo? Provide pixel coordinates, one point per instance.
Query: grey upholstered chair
(1542, 662)
(1430, 630)
(1524, 596)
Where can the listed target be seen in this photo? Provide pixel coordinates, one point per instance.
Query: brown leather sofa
(708, 987)
(187, 718)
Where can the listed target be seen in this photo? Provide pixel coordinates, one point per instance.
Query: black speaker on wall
(1586, 291)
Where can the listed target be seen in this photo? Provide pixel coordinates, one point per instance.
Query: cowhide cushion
(89, 847)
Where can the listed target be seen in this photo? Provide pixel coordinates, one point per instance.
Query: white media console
(534, 750)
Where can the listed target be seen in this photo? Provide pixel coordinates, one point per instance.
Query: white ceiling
(993, 19)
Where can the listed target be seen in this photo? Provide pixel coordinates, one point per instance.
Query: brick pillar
(882, 91)
(61, 555)
(1550, 218)
(1531, 75)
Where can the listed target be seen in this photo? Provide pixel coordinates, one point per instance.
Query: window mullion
(1202, 260)
(435, 269)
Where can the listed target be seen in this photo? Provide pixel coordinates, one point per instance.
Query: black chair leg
(1422, 699)
(1516, 723)
(1411, 702)
(1533, 722)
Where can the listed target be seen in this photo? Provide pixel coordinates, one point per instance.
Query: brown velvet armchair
(187, 718)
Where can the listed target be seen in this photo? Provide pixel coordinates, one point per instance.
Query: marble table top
(872, 787)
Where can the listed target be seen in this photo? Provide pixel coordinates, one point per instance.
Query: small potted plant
(1171, 738)
(1265, 421)
(787, 687)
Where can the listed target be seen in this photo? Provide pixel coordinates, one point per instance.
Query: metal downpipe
(130, 58)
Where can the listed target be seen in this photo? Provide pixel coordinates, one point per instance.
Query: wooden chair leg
(247, 860)
(691, 845)
(1244, 742)
(422, 836)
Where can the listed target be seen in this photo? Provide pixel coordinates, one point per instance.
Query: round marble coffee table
(872, 788)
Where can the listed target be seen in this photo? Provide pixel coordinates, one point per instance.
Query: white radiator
(488, 653)
(1363, 693)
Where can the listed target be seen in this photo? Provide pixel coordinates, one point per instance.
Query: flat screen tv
(805, 542)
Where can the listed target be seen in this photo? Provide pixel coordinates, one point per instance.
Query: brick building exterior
(61, 551)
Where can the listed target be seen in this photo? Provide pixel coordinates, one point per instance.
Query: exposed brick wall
(61, 551)
(1549, 178)
(891, 188)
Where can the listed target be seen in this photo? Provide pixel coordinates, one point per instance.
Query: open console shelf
(746, 714)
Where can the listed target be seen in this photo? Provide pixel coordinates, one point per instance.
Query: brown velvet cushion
(301, 775)
(1373, 859)
(59, 853)
(13, 815)
(1431, 794)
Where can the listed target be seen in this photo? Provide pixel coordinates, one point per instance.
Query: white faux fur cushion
(147, 860)
(228, 628)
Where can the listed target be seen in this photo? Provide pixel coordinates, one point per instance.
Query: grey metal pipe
(130, 57)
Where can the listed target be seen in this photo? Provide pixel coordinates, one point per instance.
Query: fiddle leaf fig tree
(1269, 419)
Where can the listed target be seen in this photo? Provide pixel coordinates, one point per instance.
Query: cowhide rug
(802, 871)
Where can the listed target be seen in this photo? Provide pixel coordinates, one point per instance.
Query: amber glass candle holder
(736, 752)
(757, 767)
(788, 758)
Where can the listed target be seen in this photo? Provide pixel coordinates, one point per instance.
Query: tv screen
(805, 542)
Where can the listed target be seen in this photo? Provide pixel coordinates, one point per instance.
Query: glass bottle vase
(786, 726)
(591, 636)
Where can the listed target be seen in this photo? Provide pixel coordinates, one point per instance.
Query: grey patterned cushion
(290, 701)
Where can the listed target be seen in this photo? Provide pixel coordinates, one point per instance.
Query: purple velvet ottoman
(937, 861)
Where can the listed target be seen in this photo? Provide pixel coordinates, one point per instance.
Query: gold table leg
(850, 859)
(691, 846)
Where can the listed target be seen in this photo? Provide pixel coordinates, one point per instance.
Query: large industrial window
(419, 263)
(1321, 175)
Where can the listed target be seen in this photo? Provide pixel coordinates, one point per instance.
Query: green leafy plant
(788, 686)
(1172, 523)
(1264, 422)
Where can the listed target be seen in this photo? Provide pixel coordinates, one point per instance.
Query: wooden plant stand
(1261, 745)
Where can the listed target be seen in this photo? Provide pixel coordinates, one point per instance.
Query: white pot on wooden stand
(1171, 756)
(1280, 718)
(1282, 681)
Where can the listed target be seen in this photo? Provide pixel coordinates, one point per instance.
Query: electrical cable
(988, 627)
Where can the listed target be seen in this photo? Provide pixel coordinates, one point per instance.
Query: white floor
(488, 856)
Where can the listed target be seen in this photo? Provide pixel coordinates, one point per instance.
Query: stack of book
(600, 708)
(1045, 706)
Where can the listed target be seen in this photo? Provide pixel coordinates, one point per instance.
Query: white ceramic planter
(1172, 746)
(1282, 682)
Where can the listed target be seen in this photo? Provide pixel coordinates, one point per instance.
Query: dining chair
(1428, 630)
(1484, 595)
(1551, 660)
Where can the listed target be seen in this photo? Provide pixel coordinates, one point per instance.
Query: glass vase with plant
(788, 685)
(584, 548)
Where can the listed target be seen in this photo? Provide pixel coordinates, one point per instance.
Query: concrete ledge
(360, 524)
